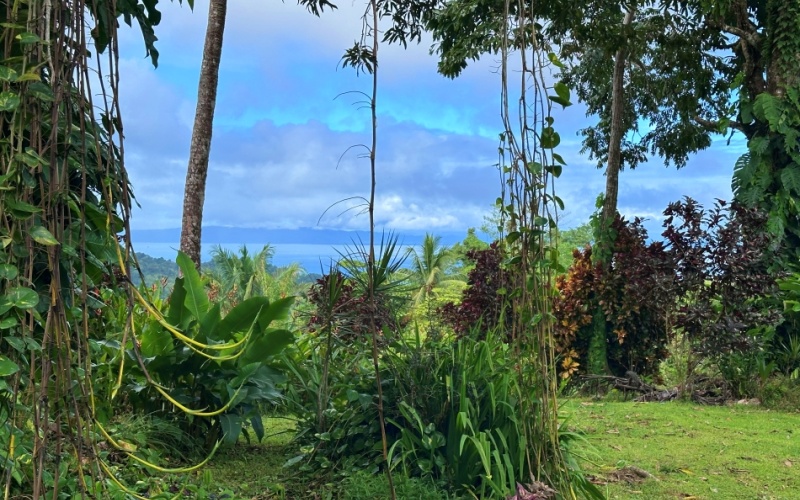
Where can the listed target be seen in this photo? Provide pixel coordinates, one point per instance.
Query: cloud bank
(290, 126)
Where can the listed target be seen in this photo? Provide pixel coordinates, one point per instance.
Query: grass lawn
(692, 452)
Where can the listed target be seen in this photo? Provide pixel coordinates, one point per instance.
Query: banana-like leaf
(210, 322)
(178, 315)
(277, 310)
(269, 344)
(240, 318)
(196, 300)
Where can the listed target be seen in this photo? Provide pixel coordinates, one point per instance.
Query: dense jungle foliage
(440, 368)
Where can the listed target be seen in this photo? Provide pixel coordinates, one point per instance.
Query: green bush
(782, 393)
(217, 368)
(465, 417)
(332, 393)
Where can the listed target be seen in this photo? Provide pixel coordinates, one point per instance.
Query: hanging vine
(65, 196)
(65, 204)
(529, 207)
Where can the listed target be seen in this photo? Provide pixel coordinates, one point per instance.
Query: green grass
(255, 471)
(726, 452)
(693, 452)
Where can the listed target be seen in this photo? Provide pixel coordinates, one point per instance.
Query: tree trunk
(598, 353)
(615, 135)
(197, 172)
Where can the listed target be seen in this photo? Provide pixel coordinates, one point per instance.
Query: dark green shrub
(219, 368)
(463, 415)
(335, 406)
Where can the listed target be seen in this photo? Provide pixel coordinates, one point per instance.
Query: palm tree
(429, 272)
(197, 172)
(239, 276)
(280, 283)
(429, 267)
(245, 275)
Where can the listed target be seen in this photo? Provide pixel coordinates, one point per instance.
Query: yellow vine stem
(174, 331)
(118, 384)
(128, 491)
(160, 317)
(144, 462)
(198, 413)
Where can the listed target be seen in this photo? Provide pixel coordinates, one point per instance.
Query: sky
(288, 124)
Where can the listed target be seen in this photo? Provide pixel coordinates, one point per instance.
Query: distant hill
(156, 268)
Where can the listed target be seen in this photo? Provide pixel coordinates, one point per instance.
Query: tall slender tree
(614, 164)
(197, 173)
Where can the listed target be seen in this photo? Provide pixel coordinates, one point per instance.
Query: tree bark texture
(197, 172)
(615, 136)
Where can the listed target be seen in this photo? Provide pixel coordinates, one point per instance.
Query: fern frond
(790, 178)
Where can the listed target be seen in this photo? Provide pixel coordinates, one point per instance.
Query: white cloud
(277, 153)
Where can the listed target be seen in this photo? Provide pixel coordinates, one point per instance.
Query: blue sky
(279, 156)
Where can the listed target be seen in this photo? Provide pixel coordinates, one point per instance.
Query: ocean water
(311, 257)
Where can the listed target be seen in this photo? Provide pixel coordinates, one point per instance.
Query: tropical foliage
(389, 362)
(235, 278)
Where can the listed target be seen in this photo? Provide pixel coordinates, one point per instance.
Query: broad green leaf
(768, 108)
(7, 271)
(294, 460)
(196, 300)
(534, 167)
(565, 103)
(29, 77)
(269, 344)
(790, 178)
(7, 323)
(231, 425)
(20, 209)
(7, 74)
(41, 91)
(550, 138)
(7, 367)
(156, 341)
(22, 298)
(43, 236)
(555, 170)
(276, 311)
(5, 304)
(17, 343)
(562, 90)
(240, 318)
(555, 60)
(210, 322)
(9, 101)
(30, 158)
(28, 38)
(177, 314)
(258, 426)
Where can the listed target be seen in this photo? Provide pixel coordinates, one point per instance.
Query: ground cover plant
(734, 451)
